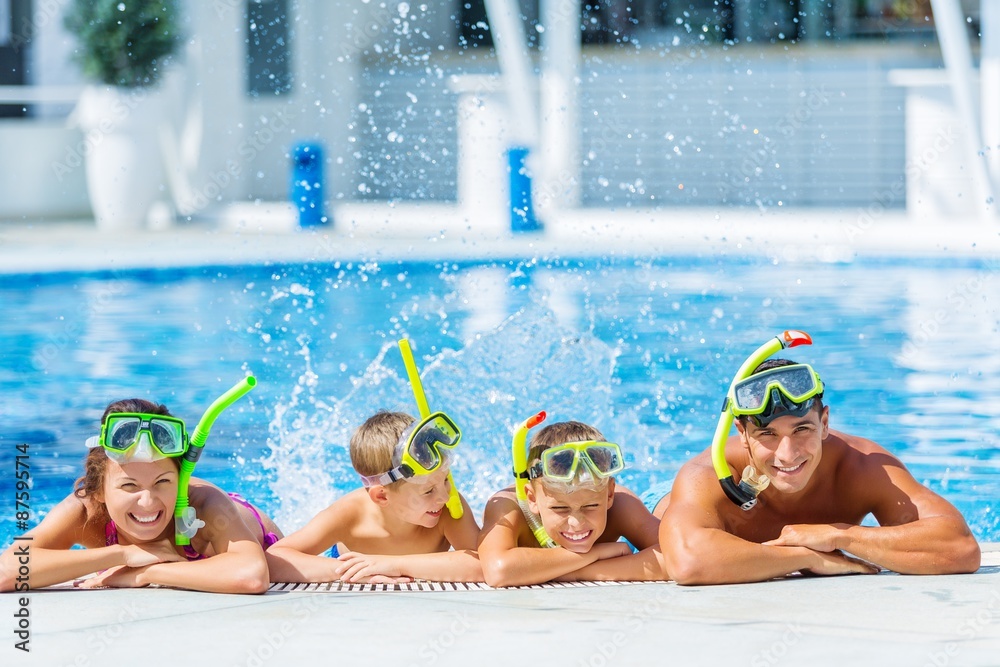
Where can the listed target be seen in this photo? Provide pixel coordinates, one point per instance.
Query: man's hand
(838, 563)
(818, 537)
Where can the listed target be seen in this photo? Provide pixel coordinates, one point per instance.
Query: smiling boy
(573, 505)
(396, 528)
(822, 484)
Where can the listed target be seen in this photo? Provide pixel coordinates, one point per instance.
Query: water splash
(527, 363)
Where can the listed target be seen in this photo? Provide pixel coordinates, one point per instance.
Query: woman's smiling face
(140, 498)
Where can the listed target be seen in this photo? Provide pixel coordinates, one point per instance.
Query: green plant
(124, 42)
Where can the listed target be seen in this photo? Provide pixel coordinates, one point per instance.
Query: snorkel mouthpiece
(186, 523)
(754, 482)
(751, 484)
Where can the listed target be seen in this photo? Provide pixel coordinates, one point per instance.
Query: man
(822, 484)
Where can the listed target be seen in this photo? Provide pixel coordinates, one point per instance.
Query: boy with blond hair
(567, 500)
(397, 527)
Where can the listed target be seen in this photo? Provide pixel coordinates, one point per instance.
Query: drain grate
(432, 586)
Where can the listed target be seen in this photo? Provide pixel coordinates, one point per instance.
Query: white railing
(39, 94)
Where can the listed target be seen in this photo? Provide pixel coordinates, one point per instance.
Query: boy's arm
(919, 532)
(506, 564)
(462, 534)
(697, 549)
(631, 519)
(440, 566)
(645, 565)
(295, 558)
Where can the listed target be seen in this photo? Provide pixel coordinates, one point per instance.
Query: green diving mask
(135, 437)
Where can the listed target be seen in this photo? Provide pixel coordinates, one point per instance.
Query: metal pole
(989, 85)
(560, 65)
(957, 53)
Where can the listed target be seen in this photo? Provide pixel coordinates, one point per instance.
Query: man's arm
(698, 550)
(463, 533)
(919, 532)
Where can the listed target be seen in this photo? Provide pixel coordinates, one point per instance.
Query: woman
(122, 511)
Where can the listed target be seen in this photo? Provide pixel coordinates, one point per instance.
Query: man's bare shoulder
(696, 484)
(855, 442)
(697, 468)
(857, 456)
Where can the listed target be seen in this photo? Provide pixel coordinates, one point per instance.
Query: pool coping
(882, 619)
(377, 232)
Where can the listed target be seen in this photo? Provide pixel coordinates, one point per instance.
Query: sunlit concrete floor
(884, 619)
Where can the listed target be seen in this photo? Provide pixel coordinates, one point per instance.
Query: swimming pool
(643, 349)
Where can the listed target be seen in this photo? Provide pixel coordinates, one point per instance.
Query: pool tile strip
(435, 586)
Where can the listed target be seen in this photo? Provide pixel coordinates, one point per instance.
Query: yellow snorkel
(519, 453)
(454, 503)
(745, 493)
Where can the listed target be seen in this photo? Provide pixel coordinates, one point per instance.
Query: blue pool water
(642, 349)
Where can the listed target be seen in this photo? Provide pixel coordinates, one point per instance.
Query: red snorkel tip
(792, 338)
(534, 421)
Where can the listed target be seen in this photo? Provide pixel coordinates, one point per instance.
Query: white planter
(124, 165)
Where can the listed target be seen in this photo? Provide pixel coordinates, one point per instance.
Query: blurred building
(679, 102)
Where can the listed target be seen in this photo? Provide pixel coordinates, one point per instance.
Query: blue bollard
(307, 183)
(522, 213)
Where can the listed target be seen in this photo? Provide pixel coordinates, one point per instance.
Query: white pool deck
(375, 232)
(885, 619)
